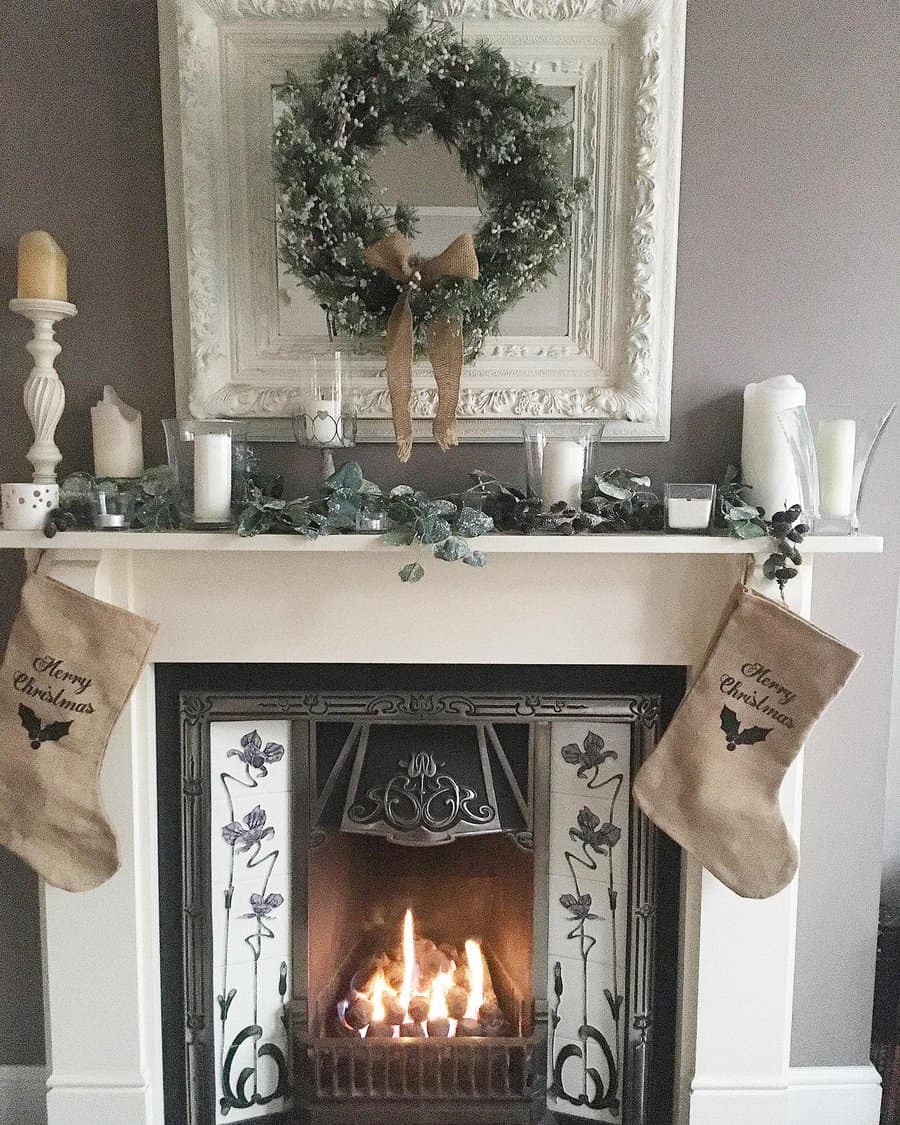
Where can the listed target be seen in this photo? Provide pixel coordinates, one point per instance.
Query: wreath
(340, 240)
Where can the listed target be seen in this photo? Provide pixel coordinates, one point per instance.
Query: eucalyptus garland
(404, 80)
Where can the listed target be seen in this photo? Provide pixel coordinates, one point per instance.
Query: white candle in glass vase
(766, 461)
(330, 429)
(212, 478)
(835, 456)
(562, 470)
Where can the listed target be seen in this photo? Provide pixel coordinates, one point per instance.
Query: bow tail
(399, 357)
(444, 342)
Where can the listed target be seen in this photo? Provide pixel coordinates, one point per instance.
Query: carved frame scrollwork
(624, 59)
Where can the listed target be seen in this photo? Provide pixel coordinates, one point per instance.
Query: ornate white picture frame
(611, 357)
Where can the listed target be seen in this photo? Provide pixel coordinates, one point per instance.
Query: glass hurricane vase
(560, 459)
(832, 451)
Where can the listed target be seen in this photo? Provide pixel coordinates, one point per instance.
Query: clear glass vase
(561, 458)
(207, 458)
(326, 419)
(832, 451)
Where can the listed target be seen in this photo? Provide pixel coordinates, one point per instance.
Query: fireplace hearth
(411, 900)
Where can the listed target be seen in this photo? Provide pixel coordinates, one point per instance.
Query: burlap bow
(443, 340)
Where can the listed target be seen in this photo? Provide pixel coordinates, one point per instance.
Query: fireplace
(401, 897)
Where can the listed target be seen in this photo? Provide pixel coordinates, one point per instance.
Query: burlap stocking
(69, 668)
(712, 782)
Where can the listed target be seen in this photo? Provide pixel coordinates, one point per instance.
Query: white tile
(226, 736)
(572, 1078)
(571, 1009)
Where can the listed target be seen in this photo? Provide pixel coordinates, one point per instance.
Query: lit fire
(427, 990)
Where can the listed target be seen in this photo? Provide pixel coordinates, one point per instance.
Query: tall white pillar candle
(116, 427)
(766, 461)
(212, 478)
(562, 469)
(835, 456)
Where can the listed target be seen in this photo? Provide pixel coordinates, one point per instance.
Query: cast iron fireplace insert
(367, 744)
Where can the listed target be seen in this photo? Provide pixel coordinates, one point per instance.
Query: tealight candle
(42, 268)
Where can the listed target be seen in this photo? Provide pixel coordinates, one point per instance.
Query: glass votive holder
(327, 416)
(689, 507)
(832, 451)
(560, 459)
(111, 507)
(206, 458)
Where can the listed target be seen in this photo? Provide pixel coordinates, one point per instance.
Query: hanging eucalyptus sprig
(745, 520)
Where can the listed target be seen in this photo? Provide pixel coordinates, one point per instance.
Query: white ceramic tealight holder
(27, 505)
(45, 396)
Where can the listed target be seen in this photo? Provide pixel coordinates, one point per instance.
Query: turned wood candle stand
(44, 395)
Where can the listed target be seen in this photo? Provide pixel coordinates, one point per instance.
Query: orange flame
(476, 979)
(409, 960)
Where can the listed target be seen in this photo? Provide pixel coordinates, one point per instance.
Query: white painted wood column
(103, 1004)
(745, 974)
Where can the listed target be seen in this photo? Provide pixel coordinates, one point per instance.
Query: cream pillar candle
(116, 427)
(766, 461)
(835, 456)
(42, 268)
(212, 478)
(562, 469)
(328, 430)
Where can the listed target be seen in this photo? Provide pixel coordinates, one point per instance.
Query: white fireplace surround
(648, 599)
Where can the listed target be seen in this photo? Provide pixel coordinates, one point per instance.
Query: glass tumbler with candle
(112, 505)
(205, 458)
(327, 417)
(560, 459)
(832, 450)
(689, 507)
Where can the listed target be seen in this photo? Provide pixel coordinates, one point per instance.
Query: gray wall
(786, 263)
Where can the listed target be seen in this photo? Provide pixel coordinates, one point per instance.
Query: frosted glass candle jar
(204, 457)
(689, 507)
(560, 458)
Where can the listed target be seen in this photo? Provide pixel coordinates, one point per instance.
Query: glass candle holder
(832, 451)
(689, 507)
(327, 418)
(111, 507)
(560, 459)
(206, 458)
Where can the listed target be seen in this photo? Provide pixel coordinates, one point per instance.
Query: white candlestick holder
(44, 395)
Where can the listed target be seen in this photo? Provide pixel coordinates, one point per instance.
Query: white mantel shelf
(648, 543)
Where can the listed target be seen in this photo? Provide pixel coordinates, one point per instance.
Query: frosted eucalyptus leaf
(471, 522)
(401, 490)
(347, 476)
(434, 530)
(441, 508)
(399, 537)
(748, 529)
(412, 572)
(452, 550)
(475, 558)
(613, 491)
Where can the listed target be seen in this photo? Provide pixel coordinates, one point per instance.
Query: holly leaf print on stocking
(37, 732)
(734, 736)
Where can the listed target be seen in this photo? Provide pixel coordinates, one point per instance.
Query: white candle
(330, 429)
(835, 455)
(688, 513)
(116, 428)
(766, 461)
(212, 478)
(562, 469)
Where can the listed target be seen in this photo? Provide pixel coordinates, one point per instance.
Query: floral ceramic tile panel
(590, 785)
(250, 871)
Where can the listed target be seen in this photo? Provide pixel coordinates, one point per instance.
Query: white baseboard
(834, 1095)
(819, 1095)
(23, 1095)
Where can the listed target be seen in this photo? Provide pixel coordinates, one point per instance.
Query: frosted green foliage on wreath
(402, 81)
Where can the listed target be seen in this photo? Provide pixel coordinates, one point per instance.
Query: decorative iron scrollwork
(422, 797)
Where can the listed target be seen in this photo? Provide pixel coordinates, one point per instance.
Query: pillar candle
(328, 430)
(42, 268)
(835, 456)
(116, 427)
(766, 461)
(562, 470)
(212, 478)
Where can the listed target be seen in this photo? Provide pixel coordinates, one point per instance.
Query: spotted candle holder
(26, 506)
